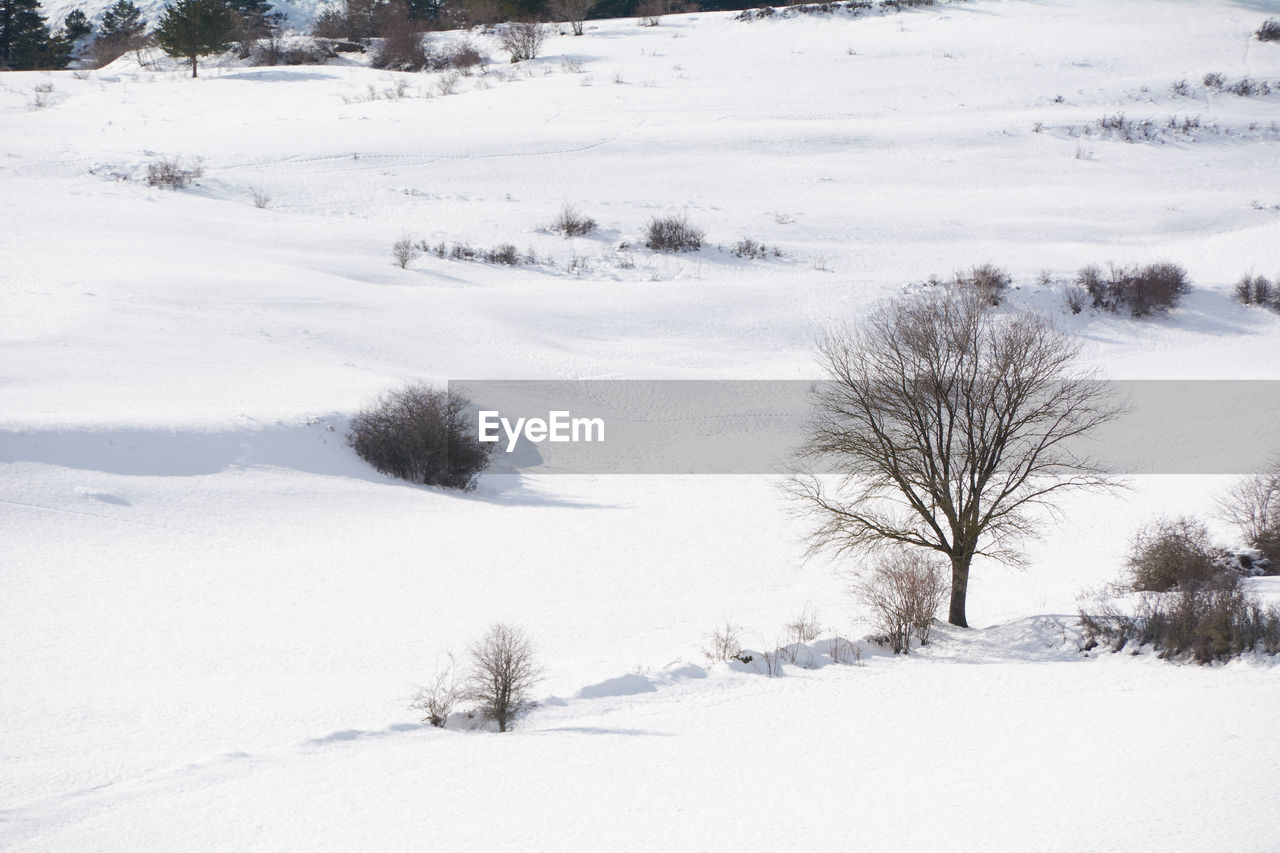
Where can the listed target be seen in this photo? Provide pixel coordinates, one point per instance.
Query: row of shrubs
(1140, 290)
(662, 234)
(1258, 290)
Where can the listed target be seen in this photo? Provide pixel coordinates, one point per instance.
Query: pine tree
(25, 40)
(76, 25)
(194, 28)
(122, 29)
(122, 21)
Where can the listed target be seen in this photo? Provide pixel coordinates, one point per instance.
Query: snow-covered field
(212, 614)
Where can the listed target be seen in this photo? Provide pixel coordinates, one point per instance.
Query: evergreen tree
(122, 29)
(194, 28)
(76, 26)
(122, 21)
(25, 40)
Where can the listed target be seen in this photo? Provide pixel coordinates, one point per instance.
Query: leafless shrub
(1180, 88)
(261, 198)
(437, 700)
(421, 434)
(462, 57)
(988, 280)
(673, 234)
(1269, 31)
(845, 652)
(571, 223)
(904, 590)
(41, 96)
(723, 643)
(522, 39)
(170, 173)
(1075, 298)
(748, 248)
(448, 83)
(1214, 80)
(1172, 553)
(405, 251)
(804, 628)
(503, 672)
(773, 662)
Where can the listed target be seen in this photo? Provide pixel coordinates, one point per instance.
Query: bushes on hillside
(421, 434)
(1269, 31)
(1139, 290)
(1189, 602)
(1208, 622)
(1257, 290)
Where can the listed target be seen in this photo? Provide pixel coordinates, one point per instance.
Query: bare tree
(573, 12)
(944, 424)
(1253, 506)
(503, 672)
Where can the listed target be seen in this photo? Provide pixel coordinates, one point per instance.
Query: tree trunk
(193, 66)
(959, 588)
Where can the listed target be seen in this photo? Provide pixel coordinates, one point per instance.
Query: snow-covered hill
(212, 614)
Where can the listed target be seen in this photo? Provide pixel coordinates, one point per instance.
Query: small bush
(437, 700)
(1180, 88)
(421, 434)
(987, 279)
(673, 234)
(503, 672)
(1075, 298)
(805, 628)
(1172, 553)
(522, 39)
(461, 57)
(904, 591)
(571, 223)
(748, 248)
(1214, 80)
(170, 174)
(723, 644)
(1269, 31)
(1257, 290)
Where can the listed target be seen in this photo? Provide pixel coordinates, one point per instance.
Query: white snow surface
(212, 614)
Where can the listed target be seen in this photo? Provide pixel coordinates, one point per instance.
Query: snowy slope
(212, 614)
